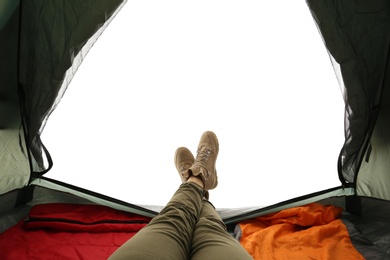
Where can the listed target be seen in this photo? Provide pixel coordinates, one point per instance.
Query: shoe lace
(203, 156)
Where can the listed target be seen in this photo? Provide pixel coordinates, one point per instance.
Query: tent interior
(43, 43)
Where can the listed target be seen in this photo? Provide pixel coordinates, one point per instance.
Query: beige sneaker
(204, 165)
(183, 161)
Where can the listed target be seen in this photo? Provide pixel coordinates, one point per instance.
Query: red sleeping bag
(69, 231)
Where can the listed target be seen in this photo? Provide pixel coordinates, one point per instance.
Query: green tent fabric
(52, 35)
(14, 166)
(43, 44)
(356, 36)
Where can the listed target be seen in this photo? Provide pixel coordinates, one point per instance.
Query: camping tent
(44, 42)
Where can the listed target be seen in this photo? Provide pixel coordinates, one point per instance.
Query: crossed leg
(169, 234)
(211, 239)
(187, 228)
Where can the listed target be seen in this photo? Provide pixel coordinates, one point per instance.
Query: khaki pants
(187, 228)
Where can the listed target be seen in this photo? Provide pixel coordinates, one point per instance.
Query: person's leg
(169, 234)
(211, 241)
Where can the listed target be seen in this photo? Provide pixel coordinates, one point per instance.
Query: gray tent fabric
(373, 177)
(42, 44)
(14, 164)
(52, 34)
(357, 36)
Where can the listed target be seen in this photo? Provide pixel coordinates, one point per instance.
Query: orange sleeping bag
(312, 231)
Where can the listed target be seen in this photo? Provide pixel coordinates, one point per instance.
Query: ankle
(197, 180)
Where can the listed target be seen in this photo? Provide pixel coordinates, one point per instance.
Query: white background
(163, 72)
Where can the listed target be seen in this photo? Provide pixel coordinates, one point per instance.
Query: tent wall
(374, 175)
(16, 204)
(14, 166)
(357, 36)
(341, 194)
(11, 212)
(54, 38)
(42, 43)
